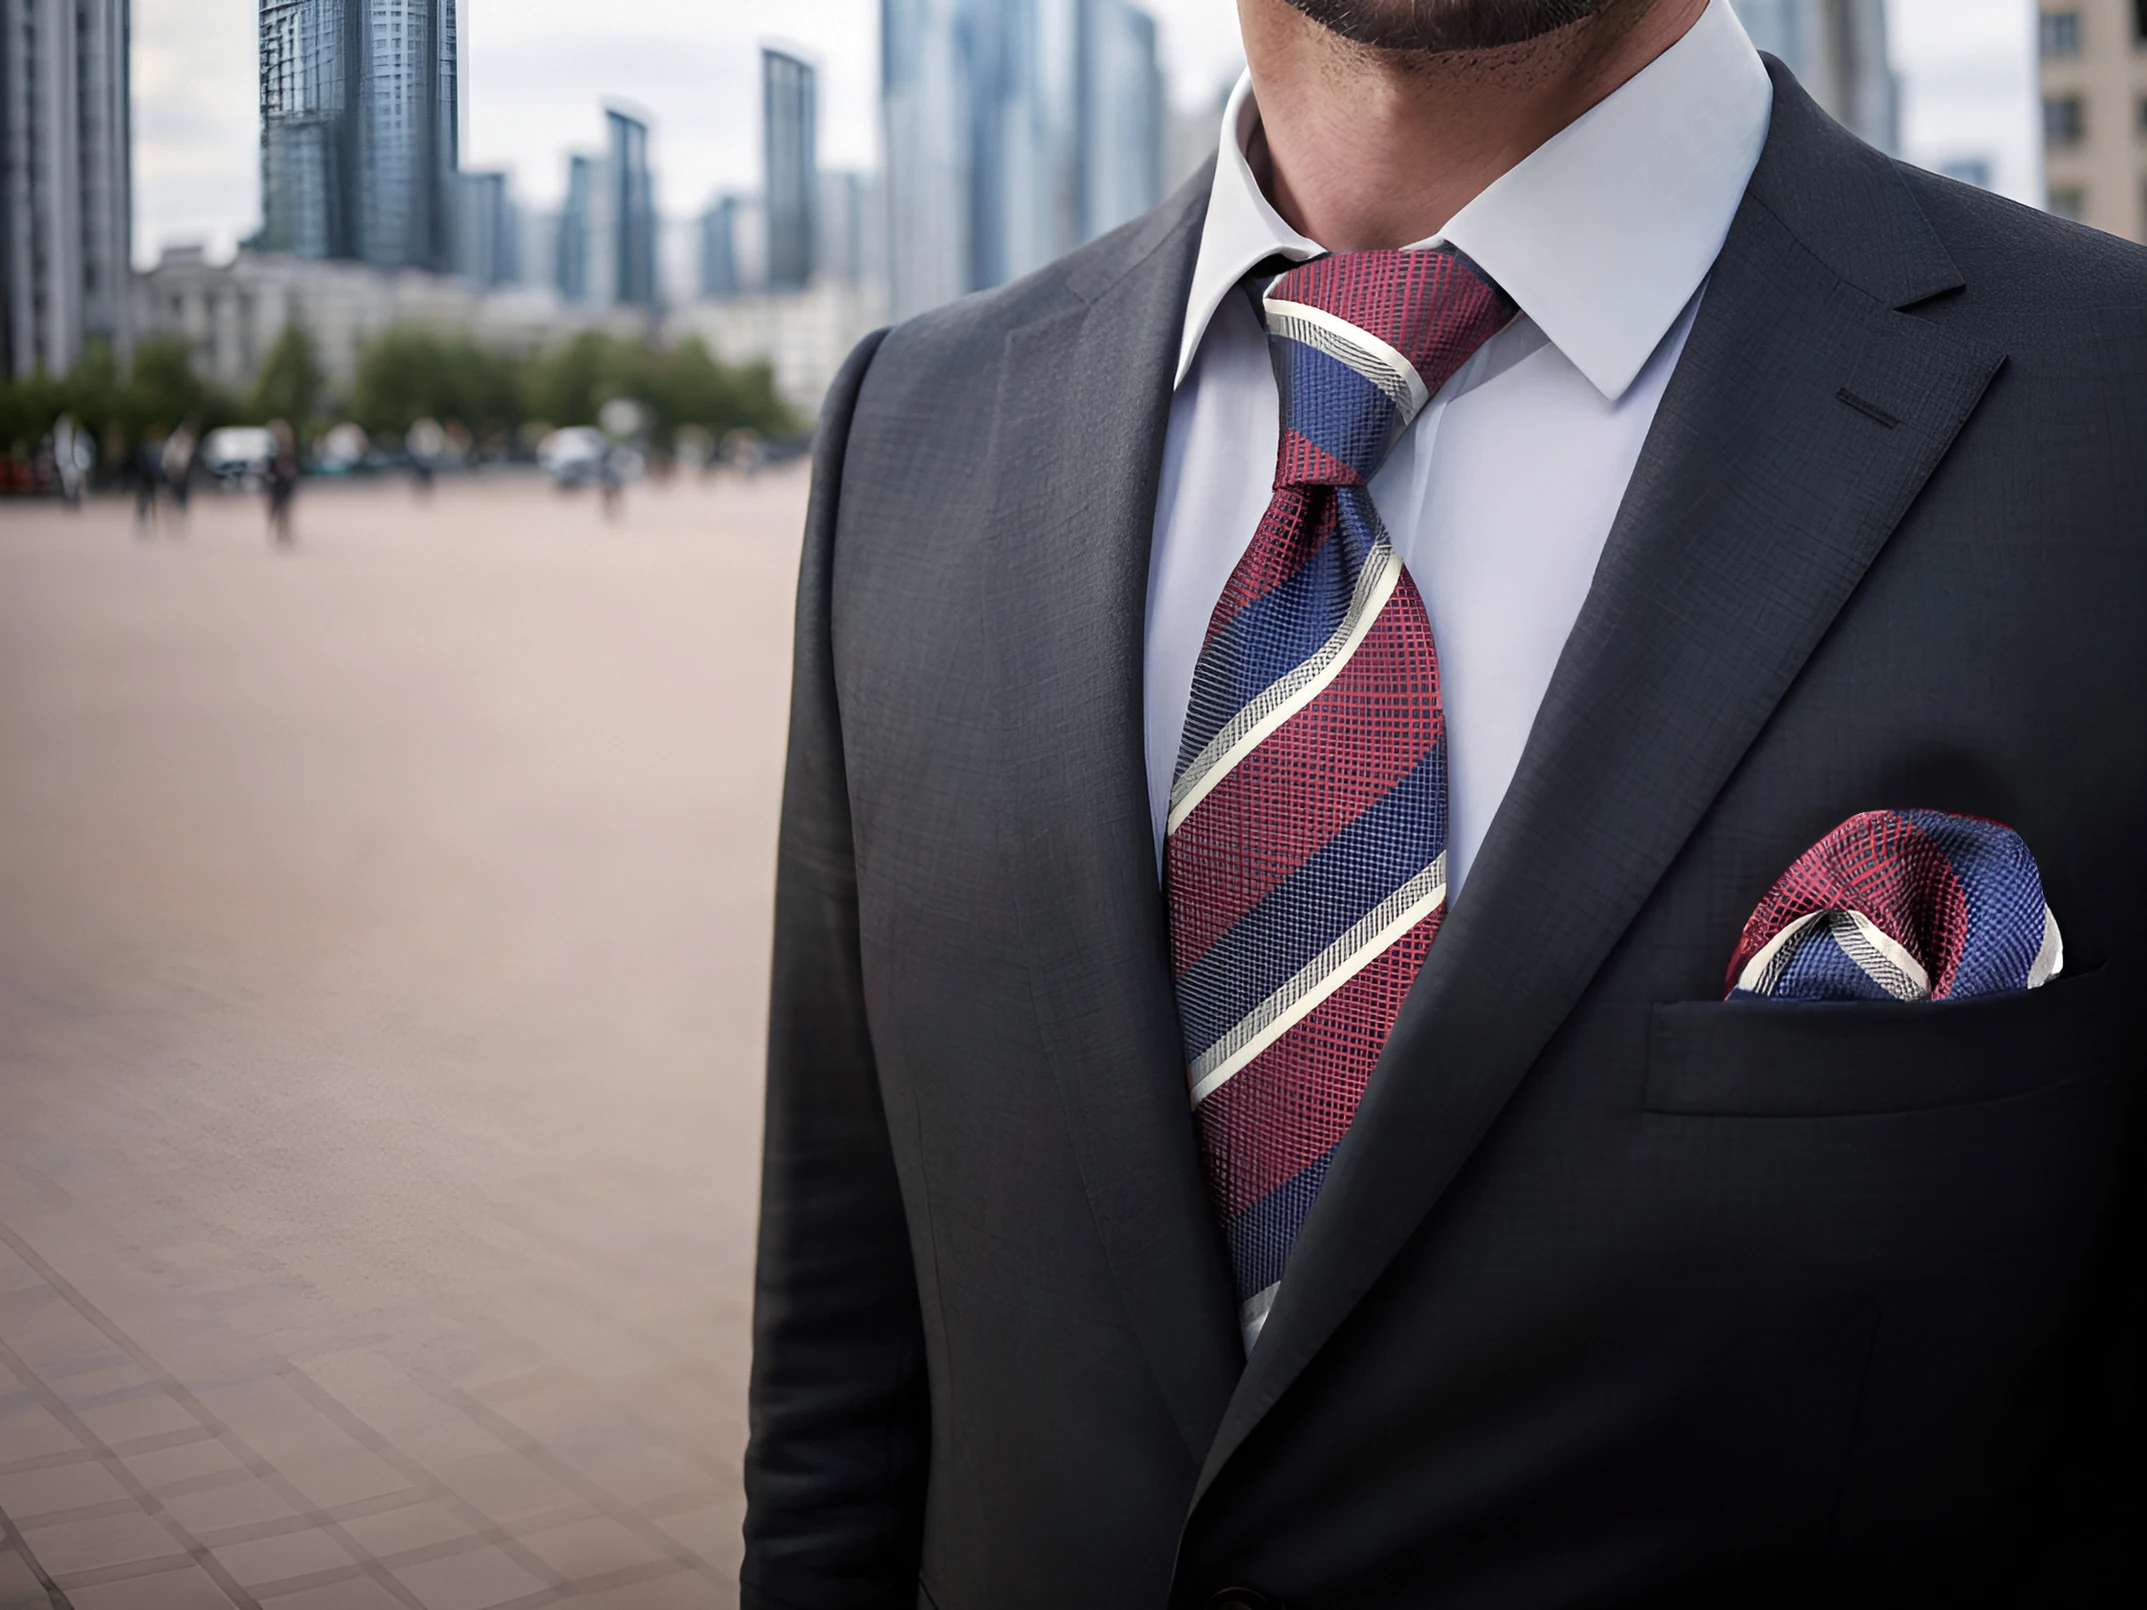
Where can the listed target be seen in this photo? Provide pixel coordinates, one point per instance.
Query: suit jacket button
(1241, 1599)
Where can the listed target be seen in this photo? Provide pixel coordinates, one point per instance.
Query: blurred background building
(360, 119)
(789, 119)
(2094, 83)
(1837, 49)
(66, 188)
(1013, 131)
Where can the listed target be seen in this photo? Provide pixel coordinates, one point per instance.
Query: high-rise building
(607, 244)
(1014, 130)
(1125, 116)
(1837, 49)
(488, 230)
(2094, 85)
(66, 163)
(789, 167)
(631, 214)
(360, 118)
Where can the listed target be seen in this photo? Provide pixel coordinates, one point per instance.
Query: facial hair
(1446, 25)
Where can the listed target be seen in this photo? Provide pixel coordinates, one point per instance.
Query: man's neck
(1363, 149)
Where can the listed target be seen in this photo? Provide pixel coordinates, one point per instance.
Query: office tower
(606, 254)
(1015, 129)
(629, 211)
(924, 107)
(1837, 49)
(488, 230)
(2094, 87)
(789, 167)
(359, 129)
(1124, 115)
(844, 239)
(66, 163)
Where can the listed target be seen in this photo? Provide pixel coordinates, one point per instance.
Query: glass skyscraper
(1014, 130)
(789, 167)
(66, 200)
(1837, 49)
(607, 227)
(359, 129)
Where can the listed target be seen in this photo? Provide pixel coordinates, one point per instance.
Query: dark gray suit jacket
(1617, 1293)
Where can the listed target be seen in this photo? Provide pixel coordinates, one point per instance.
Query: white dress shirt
(1500, 496)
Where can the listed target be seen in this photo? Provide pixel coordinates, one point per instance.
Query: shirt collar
(1602, 234)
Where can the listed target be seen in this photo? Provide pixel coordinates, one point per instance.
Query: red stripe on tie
(1303, 462)
(1430, 307)
(1285, 1110)
(1307, 780)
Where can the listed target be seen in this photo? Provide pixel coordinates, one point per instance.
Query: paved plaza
(382, 956)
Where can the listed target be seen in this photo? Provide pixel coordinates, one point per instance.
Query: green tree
(289, 384)
(165, 392)
(407, 373)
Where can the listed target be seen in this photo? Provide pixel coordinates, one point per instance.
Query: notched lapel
(1763, 494)
(1077, 450)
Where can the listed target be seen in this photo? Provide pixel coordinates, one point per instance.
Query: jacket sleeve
(835, 1466)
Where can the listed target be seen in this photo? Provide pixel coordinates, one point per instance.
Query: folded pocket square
(1905, 906)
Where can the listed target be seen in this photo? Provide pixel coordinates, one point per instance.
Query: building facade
(488, 230)
(66, 185)
(789, 167)
(360, 117)
(2094, 87)
(1837, 49)
(1014, 130)
(606, 249)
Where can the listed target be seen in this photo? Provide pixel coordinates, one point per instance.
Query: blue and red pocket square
(1902, 906)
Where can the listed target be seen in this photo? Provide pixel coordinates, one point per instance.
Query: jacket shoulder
(2026, 261)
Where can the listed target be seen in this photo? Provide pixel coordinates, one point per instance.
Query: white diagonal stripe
(1771, 960)
(1319, 978)
(2050, 959)
(1290, 692)
(1885, 963)
(1253, 1312)
(1361, 350)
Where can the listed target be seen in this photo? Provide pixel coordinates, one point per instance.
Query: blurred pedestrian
(148, 479)
(178, 464)
(425, 441)
(611, 479)
(73, 454)
(282, 481)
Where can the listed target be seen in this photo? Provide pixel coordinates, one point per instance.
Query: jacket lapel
(1805, 415)
(1077, 450)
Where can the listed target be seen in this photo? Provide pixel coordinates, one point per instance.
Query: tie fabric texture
(1902, 906)
(1304, 856)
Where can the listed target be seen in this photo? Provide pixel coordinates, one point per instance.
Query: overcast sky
(538, 71)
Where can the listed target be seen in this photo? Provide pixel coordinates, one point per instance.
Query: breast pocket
(1789, 1059)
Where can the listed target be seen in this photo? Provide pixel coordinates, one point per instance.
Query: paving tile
(19, 1587)
(591, 1548)
(276, 1421)
(396, 1531)
(91, 1545)
(473, 1580)
(714, 1535)
(186, 1588)
(276, 1559)
(189, 1461)
(149, 1415)
(507, 1487)
(343, 1478)
(28, 1431)
(107, 1383)
(357, 1593)
(447, 1440)
(681, 1590)
(244, 1502)
(28, 1494)
(637, 1472)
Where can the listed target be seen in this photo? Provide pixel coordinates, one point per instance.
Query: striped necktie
(1305, 853)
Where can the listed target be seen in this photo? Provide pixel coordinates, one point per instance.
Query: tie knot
(1361, 341)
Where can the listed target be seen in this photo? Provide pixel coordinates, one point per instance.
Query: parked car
(238, 457)
(576, 456)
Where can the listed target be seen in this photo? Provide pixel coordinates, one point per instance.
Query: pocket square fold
(1905, 906)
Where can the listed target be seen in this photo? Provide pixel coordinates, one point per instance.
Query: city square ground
(383, 951)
